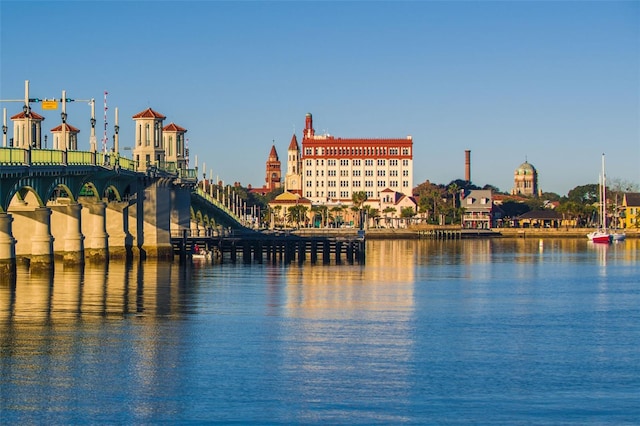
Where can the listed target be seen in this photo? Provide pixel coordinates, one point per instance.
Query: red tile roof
(68, 128)
(273, 154)
(294, 143)
(172, 127)
(34, 116)
(149, 113)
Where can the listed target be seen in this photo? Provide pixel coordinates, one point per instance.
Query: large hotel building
(330, 169)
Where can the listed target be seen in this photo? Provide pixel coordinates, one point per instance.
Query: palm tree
(386, 212)
(337, 210)
(358, 198)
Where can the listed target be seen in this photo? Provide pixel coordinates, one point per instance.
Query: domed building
(525, 181)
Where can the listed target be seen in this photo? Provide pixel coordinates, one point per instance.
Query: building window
(405, 163)
(405, 173)
(356, 173)
(368, 162)
(393, 162)
(344, 172)
(405, 183)
(405, 151)
(382, 162)
(382, 183)
(381, 172)
(344, 162)
(356, 162)
(368, 172)
(356, 184)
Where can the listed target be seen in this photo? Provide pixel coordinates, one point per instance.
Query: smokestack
(467, 165)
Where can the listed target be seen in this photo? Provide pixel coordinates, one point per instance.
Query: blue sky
(554, 83)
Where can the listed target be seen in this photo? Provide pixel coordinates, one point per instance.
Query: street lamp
(93, 123)
(63, 115)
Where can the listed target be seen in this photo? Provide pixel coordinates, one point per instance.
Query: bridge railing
(217, 203)
(39, 157)
(14, 156)
(45, 156)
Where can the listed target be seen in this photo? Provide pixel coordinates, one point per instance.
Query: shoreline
(421, 232)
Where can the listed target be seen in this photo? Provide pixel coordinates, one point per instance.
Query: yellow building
(631, 210)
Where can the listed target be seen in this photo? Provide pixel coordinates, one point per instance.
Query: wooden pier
(257, 247)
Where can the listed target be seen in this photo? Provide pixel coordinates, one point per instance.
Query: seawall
(417, 232)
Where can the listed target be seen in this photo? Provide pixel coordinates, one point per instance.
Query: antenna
(104, 138)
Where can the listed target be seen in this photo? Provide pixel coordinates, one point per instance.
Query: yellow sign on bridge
(49, 104)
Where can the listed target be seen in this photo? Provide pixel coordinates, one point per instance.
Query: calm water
(500, 331)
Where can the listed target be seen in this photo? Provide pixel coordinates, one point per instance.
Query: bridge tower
(149, 149)
(27, 129)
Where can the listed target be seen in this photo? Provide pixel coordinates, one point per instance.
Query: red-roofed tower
(274, 173)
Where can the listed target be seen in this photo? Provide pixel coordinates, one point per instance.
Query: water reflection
(421, 328)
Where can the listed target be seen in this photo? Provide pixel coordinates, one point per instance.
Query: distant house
(279, 209)
(479, 209)
(540, 219)
(391, 205)
(630, 213)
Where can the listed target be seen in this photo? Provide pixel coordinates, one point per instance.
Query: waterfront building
(280, 214)
(479, 210)
(333, 168)
(149, 149)
(390, 208)
(525, 181)
(631, 210)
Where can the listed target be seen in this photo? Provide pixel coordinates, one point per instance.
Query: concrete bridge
(78, 205)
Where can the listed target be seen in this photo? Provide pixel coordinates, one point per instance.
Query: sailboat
(601, 235)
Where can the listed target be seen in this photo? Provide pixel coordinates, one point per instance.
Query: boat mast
(603, 197)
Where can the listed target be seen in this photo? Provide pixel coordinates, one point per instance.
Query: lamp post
(63, 116)
(93, 143)
(4, 127)
(116, 138)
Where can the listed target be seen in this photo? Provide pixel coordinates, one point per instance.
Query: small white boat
(619, 236)
(600, 236)
(202, 254)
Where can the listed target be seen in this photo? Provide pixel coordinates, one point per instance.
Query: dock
(272, 247)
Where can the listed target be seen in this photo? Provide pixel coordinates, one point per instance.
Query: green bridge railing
(218, 204)
(52, 157)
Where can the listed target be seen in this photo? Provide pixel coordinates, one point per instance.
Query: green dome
(525, 169)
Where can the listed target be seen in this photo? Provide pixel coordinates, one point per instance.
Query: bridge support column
(73, 240)
(42, 240)
(120, 238)
(95, 231)
(155, 214)
(7, 244)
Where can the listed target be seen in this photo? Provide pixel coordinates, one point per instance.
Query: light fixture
(63, 115)
(93, 122)
(4, 130)
(116, 128)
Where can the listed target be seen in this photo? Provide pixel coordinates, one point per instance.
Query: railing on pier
(256, 246)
